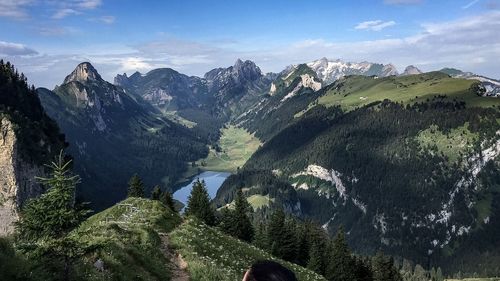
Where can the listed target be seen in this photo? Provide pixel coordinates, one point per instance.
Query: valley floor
(236, 147)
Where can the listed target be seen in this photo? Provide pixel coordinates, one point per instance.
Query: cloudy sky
(47, 38)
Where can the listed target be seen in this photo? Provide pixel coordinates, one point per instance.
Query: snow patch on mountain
(332, 70)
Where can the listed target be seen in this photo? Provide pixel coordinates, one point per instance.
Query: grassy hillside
(212, 255)
(236, 145)
(137, 239)
(126, 238)
(357, 91)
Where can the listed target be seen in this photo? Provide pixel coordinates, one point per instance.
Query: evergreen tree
(341, 265)
(275, 232)
(227, 221)
(303, 243)
(199, 204)
(383, 268)
(45, 222)
(135, 187)
(419, 274)
(289, 241)
(156, 193)
(167, 199)
(406, 270)
(363, 270)
(236, 222)
(243, 226)
(432, 274)
(439, 275)
(260, 237)
(316, 260)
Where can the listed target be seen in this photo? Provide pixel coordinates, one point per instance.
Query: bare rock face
(17, 178)
(83, 72)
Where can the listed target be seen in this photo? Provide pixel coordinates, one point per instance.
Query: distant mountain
(237, 87)
(491, 86)
(411, 70)
(114, 134)
(332, 70)
(202, 103)
(167, 89)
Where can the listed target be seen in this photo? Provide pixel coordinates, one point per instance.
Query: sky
(46, 39)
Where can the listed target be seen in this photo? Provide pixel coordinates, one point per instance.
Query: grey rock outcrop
(17, 178)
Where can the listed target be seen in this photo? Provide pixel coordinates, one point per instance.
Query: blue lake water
(213, 181)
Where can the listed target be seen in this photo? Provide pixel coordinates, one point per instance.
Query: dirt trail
(178, 266)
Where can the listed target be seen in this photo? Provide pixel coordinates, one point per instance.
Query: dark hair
(269, 271)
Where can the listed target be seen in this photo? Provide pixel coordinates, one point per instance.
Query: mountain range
(408, 163)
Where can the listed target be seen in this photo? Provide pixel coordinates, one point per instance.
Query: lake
(213, 181)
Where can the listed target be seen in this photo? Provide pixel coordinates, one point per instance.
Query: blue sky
(47, 38)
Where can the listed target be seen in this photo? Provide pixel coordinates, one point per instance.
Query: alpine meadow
(250, 140)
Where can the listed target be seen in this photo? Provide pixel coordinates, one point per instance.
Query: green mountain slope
(212, 255)
(126, 238)
(356, 91)
(407, 164)
(137, 238)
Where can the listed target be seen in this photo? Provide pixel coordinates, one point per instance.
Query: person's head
(268, 271)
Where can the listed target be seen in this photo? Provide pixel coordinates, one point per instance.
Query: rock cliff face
(17, 178)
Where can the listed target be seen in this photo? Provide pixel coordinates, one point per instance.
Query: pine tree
(433, 274)
(156, 193)
(199, 204)
(406, 270)
(383, 268)
(275, 232)
(341, 263)
(439, 275)
(243, 226)
(167, 199)
(135, 187)
(304, 243)
(316, 261)
(227, 221)
(260, 238)
(289, 241)
(363, 271)
(45, 222)
(419, 274)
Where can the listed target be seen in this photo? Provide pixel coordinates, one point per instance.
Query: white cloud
(107, 19)
(74, 7)
(374, 25)
(104, 19)
(14, 49)
(470, 44)
(62, 13)
(470, 4)
(88, 4)
(16, 9)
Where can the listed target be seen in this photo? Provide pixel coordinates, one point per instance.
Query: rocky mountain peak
(83, 72)
(246, 70)
(389, 70)
(411, 70)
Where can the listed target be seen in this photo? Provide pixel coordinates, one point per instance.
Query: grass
(173, 116)
(237, 146)
(125, 237)
(258, 201)
(458, 141)
(212, 255)
(358, 91)
(476, 279)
